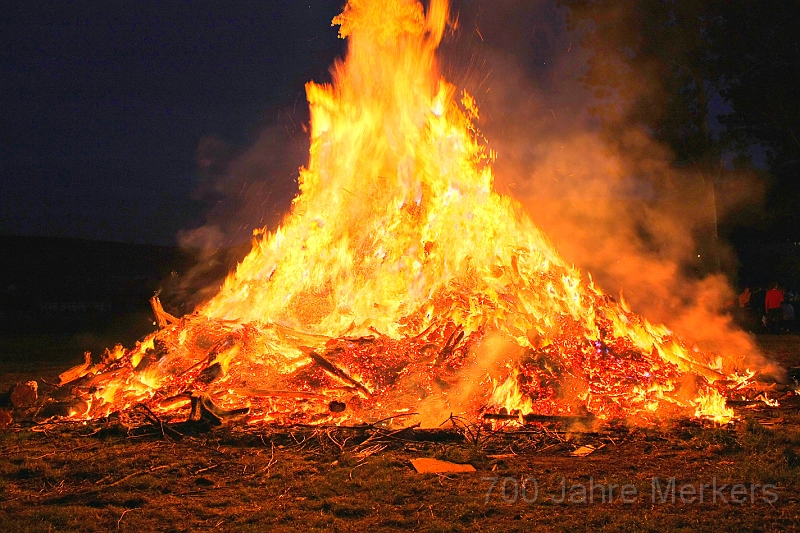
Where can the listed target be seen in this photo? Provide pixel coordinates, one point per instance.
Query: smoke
(245, 188)
(250, 187)
(490, 359)
(623, 213)
(617, 206)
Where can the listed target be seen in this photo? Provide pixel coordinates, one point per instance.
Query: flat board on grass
(435, 466)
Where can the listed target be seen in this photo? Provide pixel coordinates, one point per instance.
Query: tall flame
(397, 208)
(398, 234)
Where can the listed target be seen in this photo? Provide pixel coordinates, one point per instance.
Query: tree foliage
(705, 77)
(759, 52)
(652, 63)
(760, 55)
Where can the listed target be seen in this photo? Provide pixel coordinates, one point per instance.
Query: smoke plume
(617, 206)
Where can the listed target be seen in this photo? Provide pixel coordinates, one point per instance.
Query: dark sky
(103, 104)
(110, 109)
(106, 105)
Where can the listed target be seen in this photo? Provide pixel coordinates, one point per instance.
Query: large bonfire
(402, 282)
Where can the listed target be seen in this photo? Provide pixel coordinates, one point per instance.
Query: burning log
(532, 418)
(77, 372)
(209, 374)
(452, 341)
(746, 403)
(152, 355)
(177, 401)
(163, 318)
(66, 408)
(329, 367)
(277, 393)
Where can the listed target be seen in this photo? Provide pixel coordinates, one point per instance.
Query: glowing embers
(262, 373)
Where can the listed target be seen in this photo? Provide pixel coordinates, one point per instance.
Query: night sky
(104, 104)
(110, 109)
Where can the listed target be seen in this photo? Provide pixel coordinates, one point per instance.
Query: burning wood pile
(402, 283)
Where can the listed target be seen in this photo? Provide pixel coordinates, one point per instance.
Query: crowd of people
(770, 310)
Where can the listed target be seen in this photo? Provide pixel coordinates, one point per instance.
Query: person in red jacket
(772, 304)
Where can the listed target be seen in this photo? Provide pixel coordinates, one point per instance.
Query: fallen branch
(337, 372)
(530, 418)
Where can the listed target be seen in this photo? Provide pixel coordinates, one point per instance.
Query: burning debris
(402, 283)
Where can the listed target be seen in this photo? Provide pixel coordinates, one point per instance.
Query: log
(530, 418)
(277, 393)
(209, 374)
(25, 394)
(163, 318)
(204, 410)
(77, 372)
(174, 402)
(336, 372)
(67, 408)
(745, 403)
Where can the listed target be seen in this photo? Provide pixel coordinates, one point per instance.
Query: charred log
(533, 418)
(209, 374)
(337, 407)
(204, 410)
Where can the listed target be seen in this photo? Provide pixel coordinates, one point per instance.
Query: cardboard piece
(435, 466)
(583, 451)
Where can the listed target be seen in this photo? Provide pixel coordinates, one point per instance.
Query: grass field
(118, 476)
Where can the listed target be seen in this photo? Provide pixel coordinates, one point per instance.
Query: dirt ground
(118, 475)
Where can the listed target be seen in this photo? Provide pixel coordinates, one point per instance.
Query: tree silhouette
(706, 77)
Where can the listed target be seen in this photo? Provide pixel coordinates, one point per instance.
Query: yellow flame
(508, 395)
(712, 407)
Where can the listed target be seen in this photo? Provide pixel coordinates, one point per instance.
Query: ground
(117, 475)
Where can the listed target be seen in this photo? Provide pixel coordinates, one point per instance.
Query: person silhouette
(772, 304)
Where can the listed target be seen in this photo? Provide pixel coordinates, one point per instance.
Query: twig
(129, 476)
(465, 425)
(126, 511)
(362, 463)
(340, 446)
(154, 418)
(206, 469)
